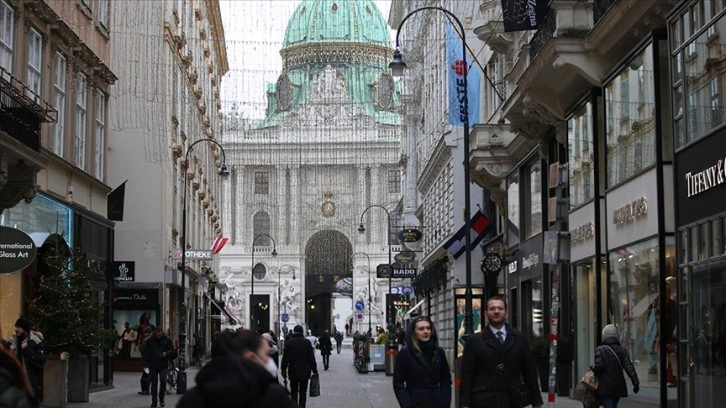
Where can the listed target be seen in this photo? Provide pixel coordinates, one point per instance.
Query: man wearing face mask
(240, 374)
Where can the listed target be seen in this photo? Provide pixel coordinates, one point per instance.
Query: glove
(636, 388)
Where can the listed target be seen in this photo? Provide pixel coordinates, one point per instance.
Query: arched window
(261, 225)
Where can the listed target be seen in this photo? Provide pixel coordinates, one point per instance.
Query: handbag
(520, 395)
(315, 386)
(590, 400)
(590, 380)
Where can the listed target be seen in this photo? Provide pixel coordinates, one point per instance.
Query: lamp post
(279, 293)
(252, 271)
(362, 229)
(182, 375)
(369, 288)
(397, 67)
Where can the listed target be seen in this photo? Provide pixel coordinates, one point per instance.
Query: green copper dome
(335, 52)
(337, 20)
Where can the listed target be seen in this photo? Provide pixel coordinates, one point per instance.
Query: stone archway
(328, 277)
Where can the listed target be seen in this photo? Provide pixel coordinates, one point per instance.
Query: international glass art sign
(17, 250)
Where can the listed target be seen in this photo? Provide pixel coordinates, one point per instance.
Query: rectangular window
(262, 182)
(630, 124)
(394, 181)
(59, 100)
(79, 145)
(7, 29)
(513, 210)
(100, 140)
(103, 13)
(715, 102)
(35, 64)
(533, 200)
(580, 138)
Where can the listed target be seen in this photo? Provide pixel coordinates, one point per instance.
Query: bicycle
(172, 377)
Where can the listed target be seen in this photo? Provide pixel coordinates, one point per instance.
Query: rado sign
(630, 212)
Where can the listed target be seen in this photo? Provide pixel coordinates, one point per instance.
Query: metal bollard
(391, 354)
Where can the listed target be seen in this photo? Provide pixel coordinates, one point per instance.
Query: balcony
(578, 43)
(21, 113)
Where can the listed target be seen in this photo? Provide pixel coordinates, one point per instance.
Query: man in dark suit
(299, 356)
(495, 362)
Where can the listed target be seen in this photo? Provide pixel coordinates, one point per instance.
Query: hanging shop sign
(124, 271)
(410, 235)
(405, 256)
(403, 270)
(383, 271)
(17, 250)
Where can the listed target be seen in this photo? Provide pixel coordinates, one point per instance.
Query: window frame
(262, 182)
(394, 181)
(60, 81)
(34, 73)
(81, 118)
(100, 135)
(7, 29)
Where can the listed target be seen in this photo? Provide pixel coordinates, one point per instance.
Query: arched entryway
(328, 276)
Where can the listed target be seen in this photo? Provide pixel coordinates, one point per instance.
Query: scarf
(428, 350)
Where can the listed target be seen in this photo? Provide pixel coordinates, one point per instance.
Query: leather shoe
(161, 403)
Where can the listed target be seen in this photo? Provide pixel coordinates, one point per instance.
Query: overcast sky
(254, 30)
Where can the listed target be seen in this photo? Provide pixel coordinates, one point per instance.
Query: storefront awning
(222, 310)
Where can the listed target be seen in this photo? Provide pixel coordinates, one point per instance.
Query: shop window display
(635, 279)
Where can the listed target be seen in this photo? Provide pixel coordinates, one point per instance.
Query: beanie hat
(297, 329)
(609, 331)
(23, 323)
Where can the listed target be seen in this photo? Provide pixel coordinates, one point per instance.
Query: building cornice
(215, 23)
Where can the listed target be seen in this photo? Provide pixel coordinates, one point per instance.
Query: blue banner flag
(457, 69)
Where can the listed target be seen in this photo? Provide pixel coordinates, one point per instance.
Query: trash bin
(391, 354)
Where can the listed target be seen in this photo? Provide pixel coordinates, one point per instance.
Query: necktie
(500, 336)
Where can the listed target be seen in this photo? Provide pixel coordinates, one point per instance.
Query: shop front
(136, 306)
(701, 192)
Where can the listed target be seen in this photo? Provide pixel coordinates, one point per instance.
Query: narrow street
(341, 386)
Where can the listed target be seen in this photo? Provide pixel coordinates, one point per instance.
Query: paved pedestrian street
(340, 386)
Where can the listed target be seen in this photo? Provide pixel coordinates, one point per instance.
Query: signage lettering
(704, 180)
(198, 254)
(134, 297)
(461, 94)
(630, 212)
(410, 235)
(530, 261)
(582, 233)
(17, 250)
(125, 272)
(512, 267)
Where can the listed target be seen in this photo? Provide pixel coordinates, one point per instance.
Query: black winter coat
(299, 356)
(417, 383)
(33, 360)
(153, 349)
(610, 372)
(483, 384)
(233, 382)
(325, 345)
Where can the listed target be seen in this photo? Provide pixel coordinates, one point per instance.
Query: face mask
(271, 367)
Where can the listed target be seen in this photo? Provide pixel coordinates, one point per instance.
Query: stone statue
(288, 293)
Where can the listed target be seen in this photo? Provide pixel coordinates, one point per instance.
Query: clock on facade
(492, 263)
(328, 209)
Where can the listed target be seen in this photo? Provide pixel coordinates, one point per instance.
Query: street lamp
(369, 287)
(182, 375)
(397, 67)
(252, 271)
(362, 230)
(279, 294)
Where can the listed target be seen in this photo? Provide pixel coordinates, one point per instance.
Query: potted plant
(69, 313)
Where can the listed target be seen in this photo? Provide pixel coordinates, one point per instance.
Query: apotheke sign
(17, 250)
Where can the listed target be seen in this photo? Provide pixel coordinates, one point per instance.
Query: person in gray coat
(610, 361)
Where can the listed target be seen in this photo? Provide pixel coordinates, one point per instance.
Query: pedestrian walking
(274, 350)
(157, 353)
(422, 378)
(144, 380)
(610, 361)
(326, 348)
(338, 341)
(239, 374)
(15, 390)
(497, 368)
(27, 346)
(299, 358)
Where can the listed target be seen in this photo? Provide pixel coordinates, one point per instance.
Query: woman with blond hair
(422, 378)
